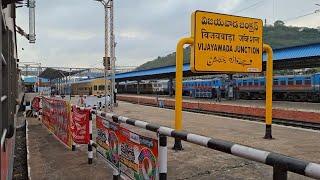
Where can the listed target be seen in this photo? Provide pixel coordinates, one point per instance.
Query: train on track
(94, 87)
(89, 87)
(291, 87)
(9, 87)
(288, 88)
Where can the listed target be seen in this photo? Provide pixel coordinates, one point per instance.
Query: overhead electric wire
(251, 6)
(298, 17)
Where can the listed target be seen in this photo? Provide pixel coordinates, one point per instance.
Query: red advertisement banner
(36, 103)
(56, 117)
(135, 156)
(108, 140)
(138, 155)
(79, 126)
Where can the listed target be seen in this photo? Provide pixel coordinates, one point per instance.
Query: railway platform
(196, 162)
(49, 159)
(287, 111)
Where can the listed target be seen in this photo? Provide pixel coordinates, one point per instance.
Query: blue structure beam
(305, 56)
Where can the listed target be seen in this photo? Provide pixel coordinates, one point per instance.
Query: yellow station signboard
(226, 43)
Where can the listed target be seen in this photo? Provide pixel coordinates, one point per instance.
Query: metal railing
(281, 164)
(3, 138)
(3, 98)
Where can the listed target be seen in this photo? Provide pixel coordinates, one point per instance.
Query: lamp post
(109, 60)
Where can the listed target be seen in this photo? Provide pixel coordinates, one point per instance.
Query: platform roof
(296, 57)
(33, 79)
(51, 73)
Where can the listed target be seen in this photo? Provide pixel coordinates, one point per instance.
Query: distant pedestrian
(81, 101)
(85, 101)
(230, 93)
(100, 105)
(108, 101)
(213, 93)
(115, 96)
(218, 94)
(236, 92)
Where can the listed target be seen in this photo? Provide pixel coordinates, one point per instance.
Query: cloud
(227, 6)
(71, 33)
(134, 34)
(308, 21)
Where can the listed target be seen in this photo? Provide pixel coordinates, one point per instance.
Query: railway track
(285, 122)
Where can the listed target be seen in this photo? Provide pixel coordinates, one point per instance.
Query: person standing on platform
(236, 92)
(115, 97)
(213, 93)
(108, 101)
(218, 94)
(81, 101)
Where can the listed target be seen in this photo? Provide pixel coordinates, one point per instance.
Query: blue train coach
(291, 87)
(202, 88)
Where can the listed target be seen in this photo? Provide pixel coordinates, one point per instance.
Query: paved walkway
(197, 162)
(49, 159)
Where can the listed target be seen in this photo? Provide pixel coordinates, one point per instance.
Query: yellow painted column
(179, 77)
(178, 90)
(269, 87)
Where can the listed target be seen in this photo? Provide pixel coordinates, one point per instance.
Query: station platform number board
(226, 43)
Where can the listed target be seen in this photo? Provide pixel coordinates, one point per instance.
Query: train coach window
(298, 82)
(275, 82)
(256, 83)
(262, 83)
(307, 81)
(250, 83)
(95, 87)
(101, 87)
(290, 81)
(244, 83)
(283, 82)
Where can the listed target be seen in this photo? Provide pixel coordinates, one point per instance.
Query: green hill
(278, 36)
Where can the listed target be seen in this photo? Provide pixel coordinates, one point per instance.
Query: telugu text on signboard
(226, 43)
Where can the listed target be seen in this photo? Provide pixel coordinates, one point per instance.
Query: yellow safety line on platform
(269, 83)
(179, 76)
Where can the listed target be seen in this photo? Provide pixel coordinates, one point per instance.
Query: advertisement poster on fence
(56, 117)
(47, 114)
(138, 156)
(79, 125)
(36, 103)
(108, 140)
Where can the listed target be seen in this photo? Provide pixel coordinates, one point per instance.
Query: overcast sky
(70, 33)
